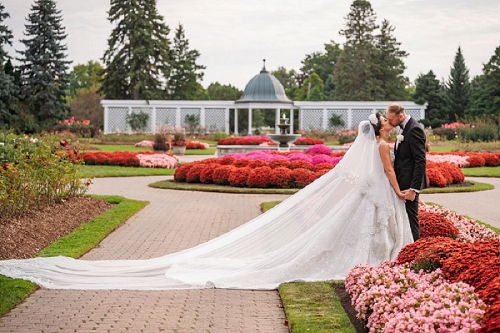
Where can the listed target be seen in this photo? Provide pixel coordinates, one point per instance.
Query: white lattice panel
(149, 112)
(414, 113)
(165, 116)
(312, 119)
(117, 119)
(215, 120)
(185, 112)
(358, 115)
(344, 115)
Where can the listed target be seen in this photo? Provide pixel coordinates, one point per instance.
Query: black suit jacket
(410, 161)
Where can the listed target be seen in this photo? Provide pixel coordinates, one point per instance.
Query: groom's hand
(409, 195)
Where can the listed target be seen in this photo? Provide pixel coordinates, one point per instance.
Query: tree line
(142, 61)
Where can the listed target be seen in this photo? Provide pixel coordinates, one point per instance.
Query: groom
(410, 161)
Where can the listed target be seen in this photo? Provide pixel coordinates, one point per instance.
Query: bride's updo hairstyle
(376, 122)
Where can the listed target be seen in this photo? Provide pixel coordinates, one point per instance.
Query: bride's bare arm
(385, 155)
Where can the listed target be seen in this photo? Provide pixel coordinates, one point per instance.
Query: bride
(351, 215)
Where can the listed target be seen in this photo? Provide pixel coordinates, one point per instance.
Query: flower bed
(466, 159)
(260, 169)
(189, 144)
(129, 159)
(263, 140)
(447, 281)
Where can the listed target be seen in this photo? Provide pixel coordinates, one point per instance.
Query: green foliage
(138, 56)
(312, 89)
(220, 135)
(483, 130)
(336, 121)
(43, 68)
(321, 63)
(192, 122)
(182, 83)
(288, 80)
(34, 174)
(85, 76)
(446, 133)
(8, 89)
(218, 92)
(458, 87)
(485, 90)
(429, 90)
(138, 122)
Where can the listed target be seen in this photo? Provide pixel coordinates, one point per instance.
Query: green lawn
(102, 171)
(482, 172)
(132, 148)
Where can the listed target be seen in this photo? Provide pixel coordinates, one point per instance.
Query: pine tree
(355, 72)
(8, 89)
(458, 87)
(44, 78)
(138, 57)
(390, 66)
(182, 82)
(485, 97)
(429, 90)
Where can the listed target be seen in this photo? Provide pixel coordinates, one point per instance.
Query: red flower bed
(308, 142)
(195, 145)
(436, 178)
(490, 159)
(299, 164)
(279, 163)
(435, 225)
(323, 166)
(115, 158)
(301, 177)
(257, 163)
(259, 177)
(238, 176)
(181, 172)
(434, 248)
(476, 161)
(227, 160)
(193, 175)
(207, 173)
(280, 178)
(221, 174)
(491, 320)
(242, 162)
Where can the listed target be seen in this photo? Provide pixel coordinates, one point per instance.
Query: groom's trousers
(412, 211)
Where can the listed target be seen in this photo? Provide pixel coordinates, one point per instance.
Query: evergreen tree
(458, 87)
(8, 88)
(182, 83)
(485, 97)
(44, 80)
(355, 72)
(390, 66)
(138, 57)
(321, 63)
(429, 90)
(329, 87)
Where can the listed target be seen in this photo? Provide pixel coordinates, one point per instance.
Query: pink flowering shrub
(158, 160)
(393, 298)
(319, 149)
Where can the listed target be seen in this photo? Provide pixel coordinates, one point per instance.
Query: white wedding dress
(350, 215)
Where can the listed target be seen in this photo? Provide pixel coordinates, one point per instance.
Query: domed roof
(264, 87)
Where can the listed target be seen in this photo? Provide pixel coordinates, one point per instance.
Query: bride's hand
(401, 196)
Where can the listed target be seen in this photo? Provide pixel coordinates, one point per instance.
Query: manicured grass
(75, 244)
(477, 186)
(101, 171)
(170, 184)
(482, 172)
(265, 206)
(443, 149)
(314, 307)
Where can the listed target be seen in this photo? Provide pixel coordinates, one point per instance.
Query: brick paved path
(174, 220)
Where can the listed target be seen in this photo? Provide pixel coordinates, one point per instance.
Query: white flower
(33, 140)
(373, 119)
(2, 144)
(400, 138)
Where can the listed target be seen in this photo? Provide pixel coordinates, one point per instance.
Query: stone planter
(179, 150)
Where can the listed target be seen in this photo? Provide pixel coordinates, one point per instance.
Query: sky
(234, 36)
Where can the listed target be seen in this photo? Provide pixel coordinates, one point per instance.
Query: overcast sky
(233, 36)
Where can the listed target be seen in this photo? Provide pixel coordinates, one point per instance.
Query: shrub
(276, 163)
(323, 166)
(221, 174)
(301, 177)
(242, 162)
(181, 172)
(319, 149)
(207, 173)
(296, 164)
(435, 225)
(476, 161)
(239, 176)
(259, 177)
(280, 178)
(193, 175)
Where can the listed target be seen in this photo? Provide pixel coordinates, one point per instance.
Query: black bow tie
(402, 127)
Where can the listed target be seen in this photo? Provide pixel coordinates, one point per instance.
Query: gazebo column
(291, 121)
(235, 120)
(277, 121)
(249, 121)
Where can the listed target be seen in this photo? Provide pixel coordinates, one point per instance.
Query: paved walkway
(176, 220)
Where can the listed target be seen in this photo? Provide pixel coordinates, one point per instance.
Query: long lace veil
(306, 237)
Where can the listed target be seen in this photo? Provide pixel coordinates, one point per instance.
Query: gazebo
(263, 91)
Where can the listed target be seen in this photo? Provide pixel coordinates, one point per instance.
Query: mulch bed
(22, 237)
(345, 300)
